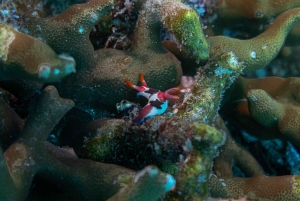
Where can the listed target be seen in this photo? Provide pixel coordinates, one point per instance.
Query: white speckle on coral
(233, 62)
(34, 14)
(253, 54)
(157, 148)
(198, 138)
(81, 30)
(94, 17)
(181, 158)
(254, 98)
(187, 145)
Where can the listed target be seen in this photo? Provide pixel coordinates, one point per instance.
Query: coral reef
(167, 140)
(21, 162)
(95, 75)
(64, 76)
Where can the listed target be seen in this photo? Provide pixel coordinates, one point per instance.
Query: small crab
(157, 100)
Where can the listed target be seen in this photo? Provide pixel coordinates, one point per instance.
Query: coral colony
(214, 121)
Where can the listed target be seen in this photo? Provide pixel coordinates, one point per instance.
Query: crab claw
(142, 79)
(138, 88)
(129, 83)
(170, 94)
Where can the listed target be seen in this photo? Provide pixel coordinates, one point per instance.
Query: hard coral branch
(269, 188)
(10, 126)
(95, 74)
(257, 9)
(182, 149)
(148, 184)
(8, 189)
(181, 144)
(24, 57)
(202, 102)
(257, 52)
(231, 153)
(261, 105)
(184, 22)
(146, 38)
(31, 155)
(72, 29)
(224, 184)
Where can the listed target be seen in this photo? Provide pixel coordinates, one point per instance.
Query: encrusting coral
(167, 140)
(184, 154)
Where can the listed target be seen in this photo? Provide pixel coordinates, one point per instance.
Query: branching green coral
(95, 75)
(194, 173)
(271, 114)
(218, 74)
(164, 142)
(271, 188)
(8, 190)
(272, 104)
(10, 126)
(253, 9)
(224, 184)
(257, 52)
(148, 184)
(20, 163)
(184, 23)
(184, 147)
(231, 153)
(24, 57)
(72, 29)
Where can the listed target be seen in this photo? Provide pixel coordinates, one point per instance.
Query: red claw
(129, 83)
(142, 79)
(138, 88)
(172, 94)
